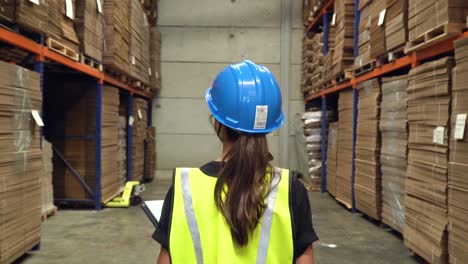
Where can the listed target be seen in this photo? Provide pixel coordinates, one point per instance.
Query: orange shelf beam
(43, 52)
(412, 60)
(319, 15)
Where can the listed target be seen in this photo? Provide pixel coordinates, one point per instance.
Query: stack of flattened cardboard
(122, 147)
(458, 165)
(328, 58)
(368, 185)
(312, 121)
(73, 111)
(116, 55)
(155, 61)
(364, 35)
(47, 191)
(150, 155)
(396, 24)
(140, 126)
(343, 57)
(393, 152)
(89, 28)
(377, 13)
(312, 62)
(21, 162)
(26, 13)
(426, 15)
(345, 147)
(426, 178)
(307, 12)
(331, 157)
(139, 43)
(61, 23)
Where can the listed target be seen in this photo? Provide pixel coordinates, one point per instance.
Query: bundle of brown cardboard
(368, 187)
(89, 28)
(396, 24)
(312, 62)
(60, 23)
(393, 161)
(26, 13)
(343, 56)
(21, 162)
(139, 128)
(426, 179)
(458, 165)
(47, 190)
(331, 157)
(364, 34)
(117, 35)
(377, 28)
(139, 43)
(122, 147)
(345, 147)
(150, 155)
(312, 121)
(155, 61)
(425, 15)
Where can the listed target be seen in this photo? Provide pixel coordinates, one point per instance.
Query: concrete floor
(124, 236)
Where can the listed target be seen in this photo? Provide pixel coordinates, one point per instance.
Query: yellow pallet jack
(130, 195)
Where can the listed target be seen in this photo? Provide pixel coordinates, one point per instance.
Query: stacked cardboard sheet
(47, 190)
(140, 126)
(122, 146)
(150, 155)
(377, 28)
(61, 23)
(343, 57)
(368, 185)
(21, 162)
(364, 35)
(27, 14)
(312, 62)
(458, 165)
(73, 111)
(426, 15)
(89, 28)
(345, 147)
(426, 178)
(331, 157)
(155, 61)
(313, 138)
(139, 43)
(393, 152)
(116, 55)
(396, 24)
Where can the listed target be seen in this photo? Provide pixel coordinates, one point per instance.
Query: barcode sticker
(333, 22)
(99, 6)
(261, 117)
(139, 114)
(460, 126)
(35, 2)
(382, 17)
(130, 121)
(37, 118)
(149, 71)
(438, 136)
(69, 8)
(133, 60)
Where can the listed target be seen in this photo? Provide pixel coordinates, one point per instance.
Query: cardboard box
(155, 61)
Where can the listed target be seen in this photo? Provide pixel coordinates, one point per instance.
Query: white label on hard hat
(261, 117)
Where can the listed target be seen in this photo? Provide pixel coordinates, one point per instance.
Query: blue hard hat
(246, 97)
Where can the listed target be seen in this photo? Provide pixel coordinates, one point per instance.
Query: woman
(238, 208)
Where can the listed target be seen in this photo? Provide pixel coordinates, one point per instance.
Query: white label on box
(149, 71)
(37, 118)
(130, 121)
(35, 2)
(157, 75)
(382, 17)
(333, 22)
(261, 117)
(438, 137)
(99, 6)
(139, 114)
(460, 126)
(69, 8)
(133, 60)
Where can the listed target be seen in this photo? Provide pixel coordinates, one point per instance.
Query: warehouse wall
(199, 38)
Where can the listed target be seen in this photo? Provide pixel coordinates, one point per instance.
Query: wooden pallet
(91, 62)
(327, 84)
(344, 76)
(395, 54)
(49, 213)
(365, 68)
(59, 47)
(343, 203)
(435, 35)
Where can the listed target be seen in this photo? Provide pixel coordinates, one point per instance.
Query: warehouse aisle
(124, 236)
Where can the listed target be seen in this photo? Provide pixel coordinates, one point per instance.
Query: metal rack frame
(411, 60)
(41, 53)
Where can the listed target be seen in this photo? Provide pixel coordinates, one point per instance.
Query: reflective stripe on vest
(199, 233)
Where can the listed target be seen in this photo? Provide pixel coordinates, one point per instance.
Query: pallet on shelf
(48, 213)
(343, 76)
(364, 68)
(59, 47)
(435, 35)
(91, 62)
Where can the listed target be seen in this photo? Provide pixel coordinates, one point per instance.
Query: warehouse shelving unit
(41, 53)
(411, 60)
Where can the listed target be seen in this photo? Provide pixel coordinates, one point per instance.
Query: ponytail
(242, 187)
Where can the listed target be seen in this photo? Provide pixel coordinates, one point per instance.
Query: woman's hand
(307, 257)
(164, 257)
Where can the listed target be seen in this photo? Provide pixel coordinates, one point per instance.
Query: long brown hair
(242, 186)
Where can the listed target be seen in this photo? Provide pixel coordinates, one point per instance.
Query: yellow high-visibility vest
(199, 233)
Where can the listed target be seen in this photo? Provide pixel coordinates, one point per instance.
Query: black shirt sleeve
(161, 235)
